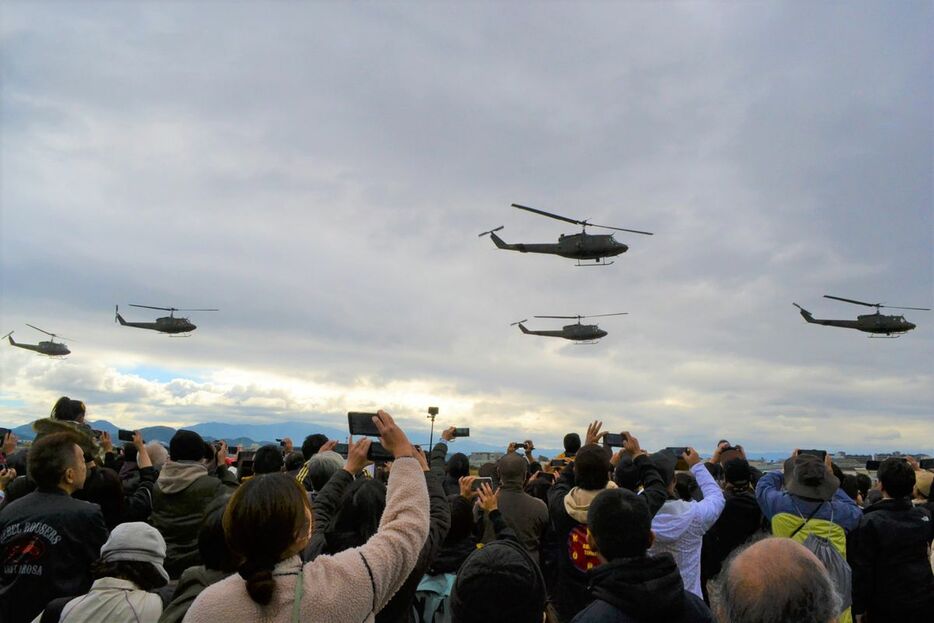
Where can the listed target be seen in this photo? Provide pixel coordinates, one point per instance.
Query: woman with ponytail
(268, 522)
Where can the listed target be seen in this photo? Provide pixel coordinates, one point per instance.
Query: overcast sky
(320, 172)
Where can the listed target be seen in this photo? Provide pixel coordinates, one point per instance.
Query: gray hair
(157, 454)
(788, 583)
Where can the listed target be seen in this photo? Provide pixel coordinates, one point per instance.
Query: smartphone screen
(614, 440)
(821, 454)
(362, 424)
(462, 432)
(479, 482)
(125, 435)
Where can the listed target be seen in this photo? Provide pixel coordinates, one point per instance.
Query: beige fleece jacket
(337, 588)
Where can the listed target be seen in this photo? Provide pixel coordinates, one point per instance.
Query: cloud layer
(320, 172)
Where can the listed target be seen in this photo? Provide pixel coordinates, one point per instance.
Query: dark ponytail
(264, 519)
(259, 582)
(67, 409)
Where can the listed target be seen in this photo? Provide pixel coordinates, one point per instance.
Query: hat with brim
(923, 480)
(807, 476)
(136, 541)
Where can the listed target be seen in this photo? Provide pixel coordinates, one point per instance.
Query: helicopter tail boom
(117, 315)
(805, 314)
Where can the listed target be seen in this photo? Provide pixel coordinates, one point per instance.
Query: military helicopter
(167, 324)
(580, 333)
(582, 246)
(50, 348)
(870, 323)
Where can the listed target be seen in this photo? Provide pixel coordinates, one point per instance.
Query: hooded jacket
(181, 494)
(82, 432)
(892, 579)
(641, 590)
(679, 527)
(48, 541)
(526, 515)
(193, 581)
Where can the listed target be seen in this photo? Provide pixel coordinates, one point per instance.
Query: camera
(462, 432)
(432, 410)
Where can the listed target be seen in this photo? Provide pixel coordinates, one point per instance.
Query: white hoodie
(679, 527)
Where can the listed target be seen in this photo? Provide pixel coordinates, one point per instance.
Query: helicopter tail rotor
(519, 322)
(492, 231)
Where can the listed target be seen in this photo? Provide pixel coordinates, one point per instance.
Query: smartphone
(342, 449)
(519, 444)
(873, 466)
(821, 454)
(558, 463)
(462, 432)
(484, 480)
(377, 453)
(681, 465)
(125, 435)
(362, 424)
(926, 463)
(614, 440)
(245, 455)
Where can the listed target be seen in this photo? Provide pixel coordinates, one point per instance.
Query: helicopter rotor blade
(151, 307)
(632, 231)
(61, 337)
(605, 315)
(562, 317)
(512, 324)
(914, 308)
(840, 298)
(549, 214)
(176, 309)
(489, 232)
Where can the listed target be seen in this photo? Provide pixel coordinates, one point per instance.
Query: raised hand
(593, 432)
(393, 437)
(487, 498)
(448, 433)
(356, 455)
(466, 485)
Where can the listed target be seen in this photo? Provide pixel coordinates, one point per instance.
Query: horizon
(319, 173)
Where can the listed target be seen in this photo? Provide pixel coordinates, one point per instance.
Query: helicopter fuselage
(52, 349)
(868, 323)
(574, 332)
(580, 246)
(166, 324)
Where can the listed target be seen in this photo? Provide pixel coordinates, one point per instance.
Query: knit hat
(136, 541)
(923, 480)
(499, 582)
(666, 462)
(186, 445)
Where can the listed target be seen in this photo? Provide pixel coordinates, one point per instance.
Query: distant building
(479, 458)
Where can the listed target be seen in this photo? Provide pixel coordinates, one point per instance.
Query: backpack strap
(809, 517)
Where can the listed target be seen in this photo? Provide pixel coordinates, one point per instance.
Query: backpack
(582, 558)
(837, 567)
(432, 599)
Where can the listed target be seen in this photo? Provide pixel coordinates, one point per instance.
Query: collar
(889, 504)
(114, 584)
(289, 566)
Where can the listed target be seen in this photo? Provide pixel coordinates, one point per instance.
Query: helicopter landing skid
(181, 335)
(586, 342)
(885, 337)
(603, 263)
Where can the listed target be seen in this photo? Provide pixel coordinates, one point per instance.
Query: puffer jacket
(181, 494)
(82, 432)
(892, 579)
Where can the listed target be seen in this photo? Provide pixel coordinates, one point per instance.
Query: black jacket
(48, 541)
(571, 594)
(741, 518)
(892, 578)
(647, 589)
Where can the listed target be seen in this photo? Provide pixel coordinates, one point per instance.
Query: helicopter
(167, 324)
(582, 246)
(876, 323)
(50, 348)
(580, 333)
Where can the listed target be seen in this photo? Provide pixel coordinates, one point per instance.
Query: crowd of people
(93, 531)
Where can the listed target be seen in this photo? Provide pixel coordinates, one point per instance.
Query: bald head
(775, 580)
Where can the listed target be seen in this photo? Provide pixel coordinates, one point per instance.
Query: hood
(451, 556)
(674, 517)
(177, 476)
(645, 588)
(577, 501)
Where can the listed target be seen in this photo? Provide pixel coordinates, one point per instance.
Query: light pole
(432, 413)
